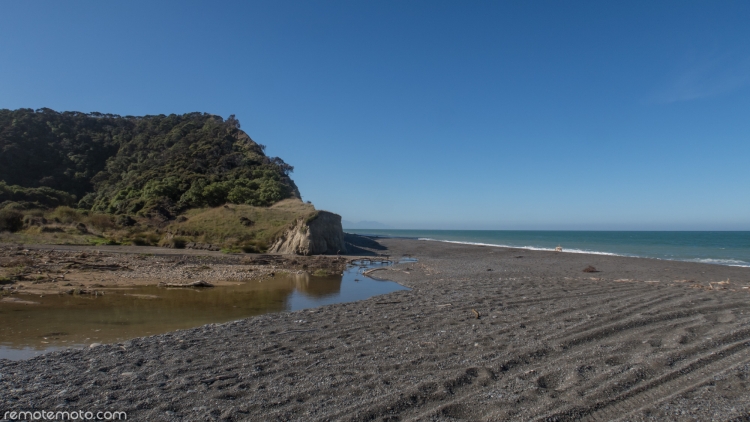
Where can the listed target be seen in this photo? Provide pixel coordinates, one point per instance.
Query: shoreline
(485, 334)
(744, 262)
(73, 269)
(581, 251)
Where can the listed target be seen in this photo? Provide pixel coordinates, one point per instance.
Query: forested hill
(134, 165)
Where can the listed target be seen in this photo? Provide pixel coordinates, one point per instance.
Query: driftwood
(95, 293)
(18, 301)
(199, 283)
(39, 280)
(90, 266)
(312, 364)
(711, 285)
(44, 280)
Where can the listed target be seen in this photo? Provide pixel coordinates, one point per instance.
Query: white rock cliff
(318, 234)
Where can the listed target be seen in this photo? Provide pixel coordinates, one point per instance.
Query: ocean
(712, 247)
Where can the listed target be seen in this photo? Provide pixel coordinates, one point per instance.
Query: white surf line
(725, 262)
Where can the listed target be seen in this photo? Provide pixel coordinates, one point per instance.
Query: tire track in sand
(698, 371)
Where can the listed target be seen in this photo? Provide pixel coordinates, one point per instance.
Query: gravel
(535, 338)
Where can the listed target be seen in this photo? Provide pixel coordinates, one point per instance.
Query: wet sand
(485, 334)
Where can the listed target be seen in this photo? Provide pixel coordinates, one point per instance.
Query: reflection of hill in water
(286, 284)
(63, 320)
(136, 312)
(317, 286)
(150, 310)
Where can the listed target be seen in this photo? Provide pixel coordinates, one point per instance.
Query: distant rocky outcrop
(318, 234)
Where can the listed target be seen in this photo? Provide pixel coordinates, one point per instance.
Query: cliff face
(317, 235)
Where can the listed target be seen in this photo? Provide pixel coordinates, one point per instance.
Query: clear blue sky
(430, 114)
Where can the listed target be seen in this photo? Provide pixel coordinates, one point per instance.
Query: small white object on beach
(92, 345)
(558, 248)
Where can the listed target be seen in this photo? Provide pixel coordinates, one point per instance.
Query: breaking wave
(728, 262)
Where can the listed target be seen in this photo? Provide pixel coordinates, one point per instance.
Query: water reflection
(63, 321)
(316, 286)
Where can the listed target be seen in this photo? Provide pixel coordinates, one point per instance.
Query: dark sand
(640, 340)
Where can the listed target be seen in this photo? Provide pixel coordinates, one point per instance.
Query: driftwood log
(199, 283)
(89, 266)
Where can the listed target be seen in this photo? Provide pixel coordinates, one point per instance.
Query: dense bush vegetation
(18, 197)
(10, 220)
(152, 165)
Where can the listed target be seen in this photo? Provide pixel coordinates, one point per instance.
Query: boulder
(318, 234)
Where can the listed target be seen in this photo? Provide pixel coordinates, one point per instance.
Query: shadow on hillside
(363, 245)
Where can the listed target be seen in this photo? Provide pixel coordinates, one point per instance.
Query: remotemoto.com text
(76, 415)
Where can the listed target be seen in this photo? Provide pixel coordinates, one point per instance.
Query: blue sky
(430, 114)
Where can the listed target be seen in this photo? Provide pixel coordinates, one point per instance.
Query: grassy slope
(221, 226)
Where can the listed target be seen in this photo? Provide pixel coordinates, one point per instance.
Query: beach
(76, 269)
(485, 333)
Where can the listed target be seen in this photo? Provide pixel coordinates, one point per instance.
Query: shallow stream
(61, 321)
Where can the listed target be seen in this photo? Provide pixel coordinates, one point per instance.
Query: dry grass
(232, 227)
(223, 225)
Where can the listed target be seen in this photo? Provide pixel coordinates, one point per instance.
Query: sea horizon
(725, 247)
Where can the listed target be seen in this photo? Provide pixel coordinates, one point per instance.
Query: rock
(92, 345)
(318, 234)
